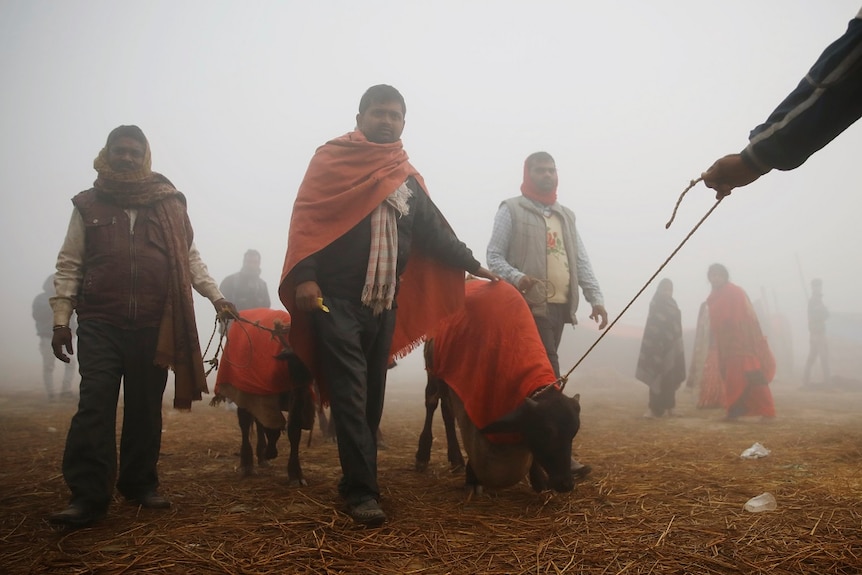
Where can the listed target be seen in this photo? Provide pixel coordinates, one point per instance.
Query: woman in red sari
(703, 372)
(744, 358)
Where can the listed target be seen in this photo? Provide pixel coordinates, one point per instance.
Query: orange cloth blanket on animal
(248, 362)
(490, 352)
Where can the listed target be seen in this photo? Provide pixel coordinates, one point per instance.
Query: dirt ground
(665, 496)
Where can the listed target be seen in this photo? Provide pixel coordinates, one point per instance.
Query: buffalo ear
(509, 423)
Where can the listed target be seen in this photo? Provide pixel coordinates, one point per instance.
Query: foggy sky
(633, 99)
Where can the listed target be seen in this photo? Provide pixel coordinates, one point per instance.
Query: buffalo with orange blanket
(263, 377)
(513, 416)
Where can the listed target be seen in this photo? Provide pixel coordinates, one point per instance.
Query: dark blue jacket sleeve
(825, 103)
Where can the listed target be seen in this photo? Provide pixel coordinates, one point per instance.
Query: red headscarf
(346, 179)
(529, 190)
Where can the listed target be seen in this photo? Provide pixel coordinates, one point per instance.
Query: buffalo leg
(246, 456)
(453, 449)
(471, 482)
(426, 438)
(538, 477)
(300, 406)
(270, 450)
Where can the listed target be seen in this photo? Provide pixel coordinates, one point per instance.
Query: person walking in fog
(824, 104)
(245, 288)
(361, 212)
(127, 267)
(661, 362)
(744, 359)
(536, 247)
(819, 344)
(44, 318)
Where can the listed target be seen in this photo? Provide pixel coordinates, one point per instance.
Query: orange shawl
(490, 352)
(346, 179)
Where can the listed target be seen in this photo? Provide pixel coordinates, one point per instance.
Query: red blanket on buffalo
(490, 353)
(248, 363)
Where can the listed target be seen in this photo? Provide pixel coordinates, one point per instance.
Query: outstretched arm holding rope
(824, 104)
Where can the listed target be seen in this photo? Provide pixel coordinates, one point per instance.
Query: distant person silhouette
(44, 318)
(661, 362)
(245, 288)
(819, 345)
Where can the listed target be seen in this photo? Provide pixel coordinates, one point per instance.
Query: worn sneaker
(368, 513)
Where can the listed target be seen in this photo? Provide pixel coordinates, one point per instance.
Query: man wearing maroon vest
(127, 267)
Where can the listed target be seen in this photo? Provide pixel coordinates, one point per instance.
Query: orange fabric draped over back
(248, 362)
(490, 352)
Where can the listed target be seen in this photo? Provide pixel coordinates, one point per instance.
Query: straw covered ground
(665, 496)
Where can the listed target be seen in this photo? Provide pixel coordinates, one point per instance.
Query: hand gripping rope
(279, 332)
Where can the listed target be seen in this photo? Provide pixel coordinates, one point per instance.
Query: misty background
(633, 99)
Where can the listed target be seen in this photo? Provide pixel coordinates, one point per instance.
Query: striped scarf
(380, 277)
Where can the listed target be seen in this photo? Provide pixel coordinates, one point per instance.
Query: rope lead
(562, 380)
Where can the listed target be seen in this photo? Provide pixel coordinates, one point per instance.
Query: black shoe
(368, 513)
(75, 516)
(151, 500)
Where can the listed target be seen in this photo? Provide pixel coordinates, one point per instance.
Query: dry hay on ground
(665, 496)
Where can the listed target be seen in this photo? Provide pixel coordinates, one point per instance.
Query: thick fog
(633, 99)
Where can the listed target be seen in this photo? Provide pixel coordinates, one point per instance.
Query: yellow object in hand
(321, 306)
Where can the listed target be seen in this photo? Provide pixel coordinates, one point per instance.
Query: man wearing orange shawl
(744, 358)
(361, 214)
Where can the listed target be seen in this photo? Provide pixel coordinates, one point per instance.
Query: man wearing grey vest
(535, 246)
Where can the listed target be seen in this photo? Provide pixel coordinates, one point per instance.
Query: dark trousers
(354, 352)
(106, 356)
(551, 331)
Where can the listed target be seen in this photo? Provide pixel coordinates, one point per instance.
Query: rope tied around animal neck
(565, 378)
(278, 332)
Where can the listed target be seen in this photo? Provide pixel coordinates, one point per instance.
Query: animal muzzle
(562, 483)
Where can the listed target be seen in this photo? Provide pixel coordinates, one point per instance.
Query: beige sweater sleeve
(70, 264)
